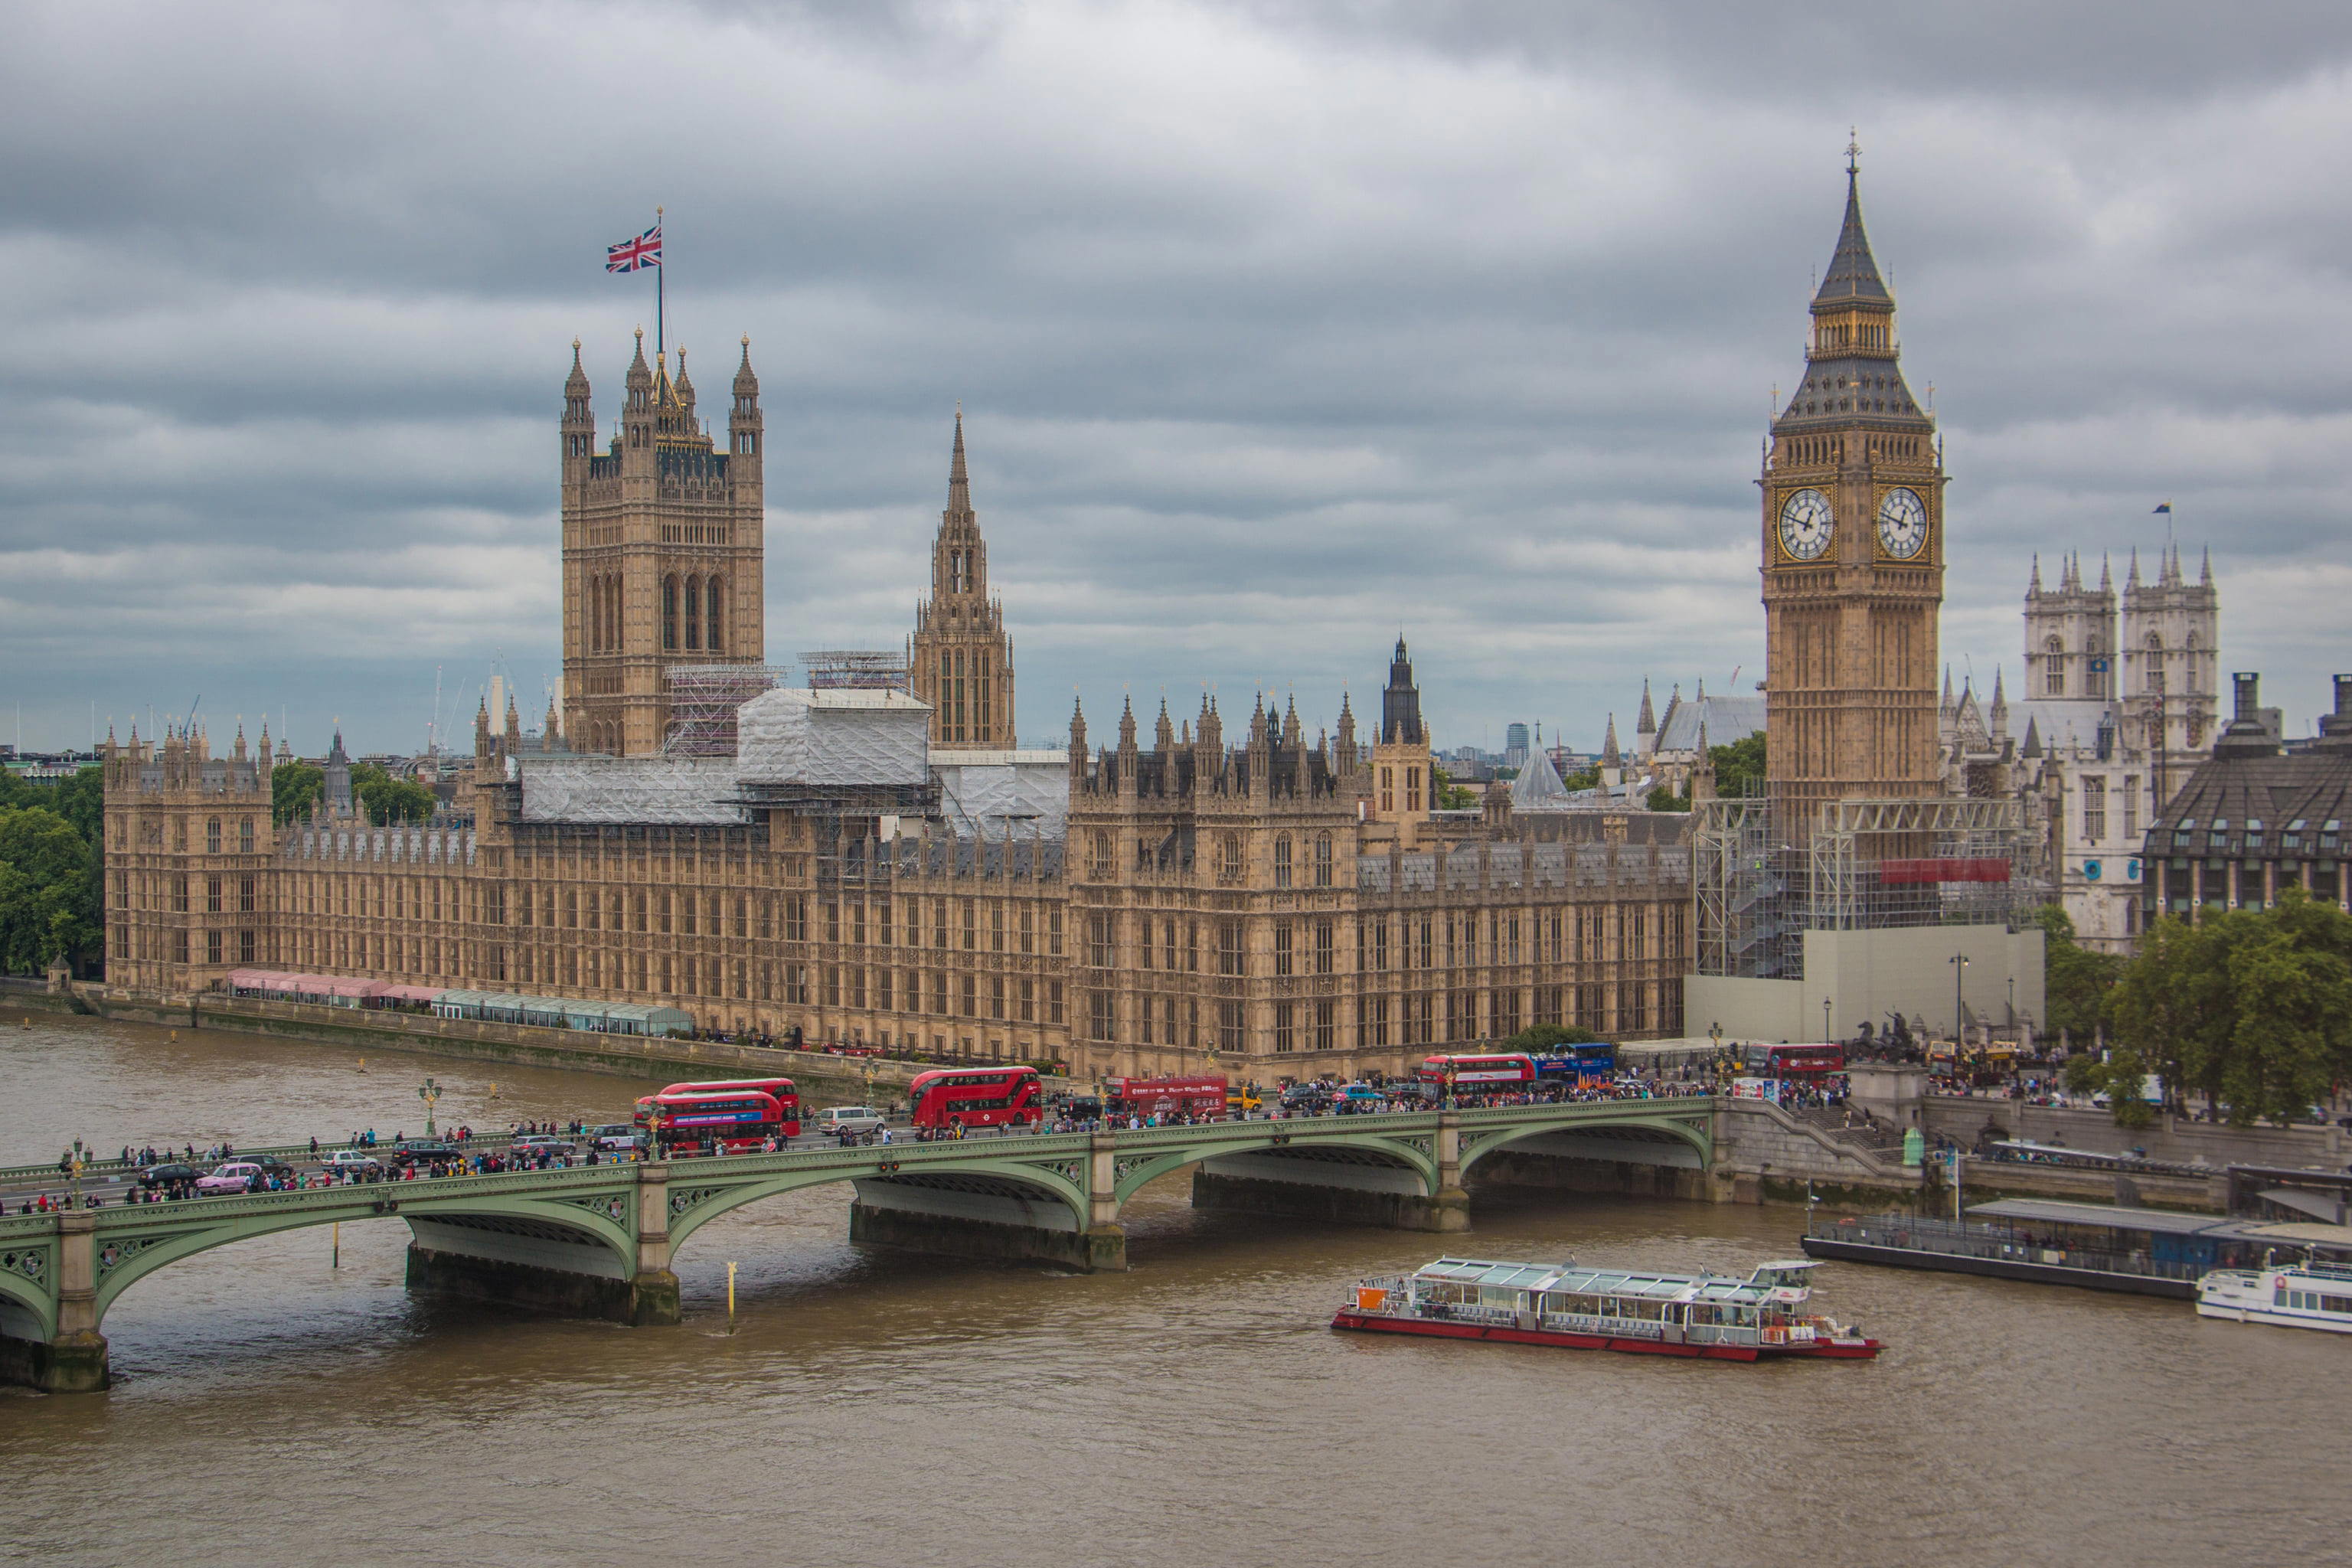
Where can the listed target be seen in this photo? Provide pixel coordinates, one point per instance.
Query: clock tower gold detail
(1853, 556)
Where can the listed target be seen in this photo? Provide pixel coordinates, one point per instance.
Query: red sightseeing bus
(974, 1096)
(732, 1122)
(785, 1095)
(1793, 1061)
(1199, 1095)
(1483, 1073)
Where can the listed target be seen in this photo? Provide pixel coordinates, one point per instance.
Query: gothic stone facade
(1852, 558)
(1281, 909)
(663, 551)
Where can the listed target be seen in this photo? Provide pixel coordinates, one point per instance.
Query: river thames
(873, 1406)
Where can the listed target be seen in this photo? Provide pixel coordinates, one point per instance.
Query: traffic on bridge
(584, 1220)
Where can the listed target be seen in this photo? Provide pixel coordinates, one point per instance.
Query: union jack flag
(632, 254)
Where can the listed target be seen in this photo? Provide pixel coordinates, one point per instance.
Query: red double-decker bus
(732, 1122)
(1500, 1070)
(1199, 1095)
(787, 1098)
(975, 1097)
(1793, 1061)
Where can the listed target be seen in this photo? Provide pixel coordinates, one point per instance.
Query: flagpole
(659, 277)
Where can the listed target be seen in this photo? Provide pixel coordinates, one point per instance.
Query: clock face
(1806, 525)
(1902, 524)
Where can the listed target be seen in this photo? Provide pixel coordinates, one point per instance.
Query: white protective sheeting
(839, 738)
(684, 791)
(983, 794)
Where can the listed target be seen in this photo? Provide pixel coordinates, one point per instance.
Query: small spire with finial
(1852, 150)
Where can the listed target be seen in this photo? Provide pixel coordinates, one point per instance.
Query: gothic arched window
(713, 591)
(2054, 681)
(670, 613)
(1323, 862)
(1282, 860)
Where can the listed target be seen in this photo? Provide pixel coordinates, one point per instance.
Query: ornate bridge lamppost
(430, 1093)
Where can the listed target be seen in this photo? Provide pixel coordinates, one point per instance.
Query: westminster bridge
(599, 1240)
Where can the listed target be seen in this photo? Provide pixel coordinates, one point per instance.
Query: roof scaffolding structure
(702, 702)
(859, 669)
(1864, 865)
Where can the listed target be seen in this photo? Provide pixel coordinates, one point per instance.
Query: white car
(353, 1160)
(857, 1119)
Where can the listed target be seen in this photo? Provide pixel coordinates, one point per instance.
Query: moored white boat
(1717, 1317)
(2295, 1296)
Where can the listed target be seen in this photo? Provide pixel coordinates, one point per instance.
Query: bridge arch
(1286, 1140)
(1666, 1138)
(124, 1256)
(1054, 1185)
(28, 1309)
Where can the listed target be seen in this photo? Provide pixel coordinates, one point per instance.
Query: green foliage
(387, 799)
(2122, 1075)
(48, 889)
(294, 788)
(2251, 1009)
(81, 801)
(1444, 795)
(1665, 799)
(1544, 1036)
(1739, 766)
(1584, 778)
(2077, 981)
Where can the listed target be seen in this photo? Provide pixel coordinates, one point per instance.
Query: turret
(638, 410)
(578, 431)
(744, 423)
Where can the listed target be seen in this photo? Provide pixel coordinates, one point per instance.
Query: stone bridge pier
(66, 1354)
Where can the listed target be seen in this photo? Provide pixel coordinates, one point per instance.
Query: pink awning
(409, 992)
(341, 987)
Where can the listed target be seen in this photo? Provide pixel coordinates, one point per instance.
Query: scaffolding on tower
(702, 702)
(856, 669)
(1856, 864)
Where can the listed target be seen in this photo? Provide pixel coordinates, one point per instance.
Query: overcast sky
(1278, 328)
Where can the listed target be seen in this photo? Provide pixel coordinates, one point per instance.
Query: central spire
(1852, 278)
(958, 481)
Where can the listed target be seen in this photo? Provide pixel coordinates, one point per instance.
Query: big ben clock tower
(1852, 557)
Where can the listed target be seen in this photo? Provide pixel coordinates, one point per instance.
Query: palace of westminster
(883, 864)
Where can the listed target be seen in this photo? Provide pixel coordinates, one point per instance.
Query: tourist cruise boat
(1718, 1317)
(2296, 1296)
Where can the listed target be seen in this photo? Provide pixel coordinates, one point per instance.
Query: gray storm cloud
(1278, 328)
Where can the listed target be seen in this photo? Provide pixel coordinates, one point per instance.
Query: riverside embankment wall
(820, 1078)
(2168, 1138)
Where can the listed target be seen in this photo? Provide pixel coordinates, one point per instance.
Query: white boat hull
(2275, 1317)
(2299, 1296)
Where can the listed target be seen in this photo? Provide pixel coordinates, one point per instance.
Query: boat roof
(2113, 1216)
(1643, 1283)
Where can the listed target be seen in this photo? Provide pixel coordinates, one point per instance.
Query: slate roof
(1728, 719)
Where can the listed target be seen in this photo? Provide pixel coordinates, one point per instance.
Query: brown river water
(869, 1407)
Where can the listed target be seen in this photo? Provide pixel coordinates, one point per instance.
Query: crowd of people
(453, 1153)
